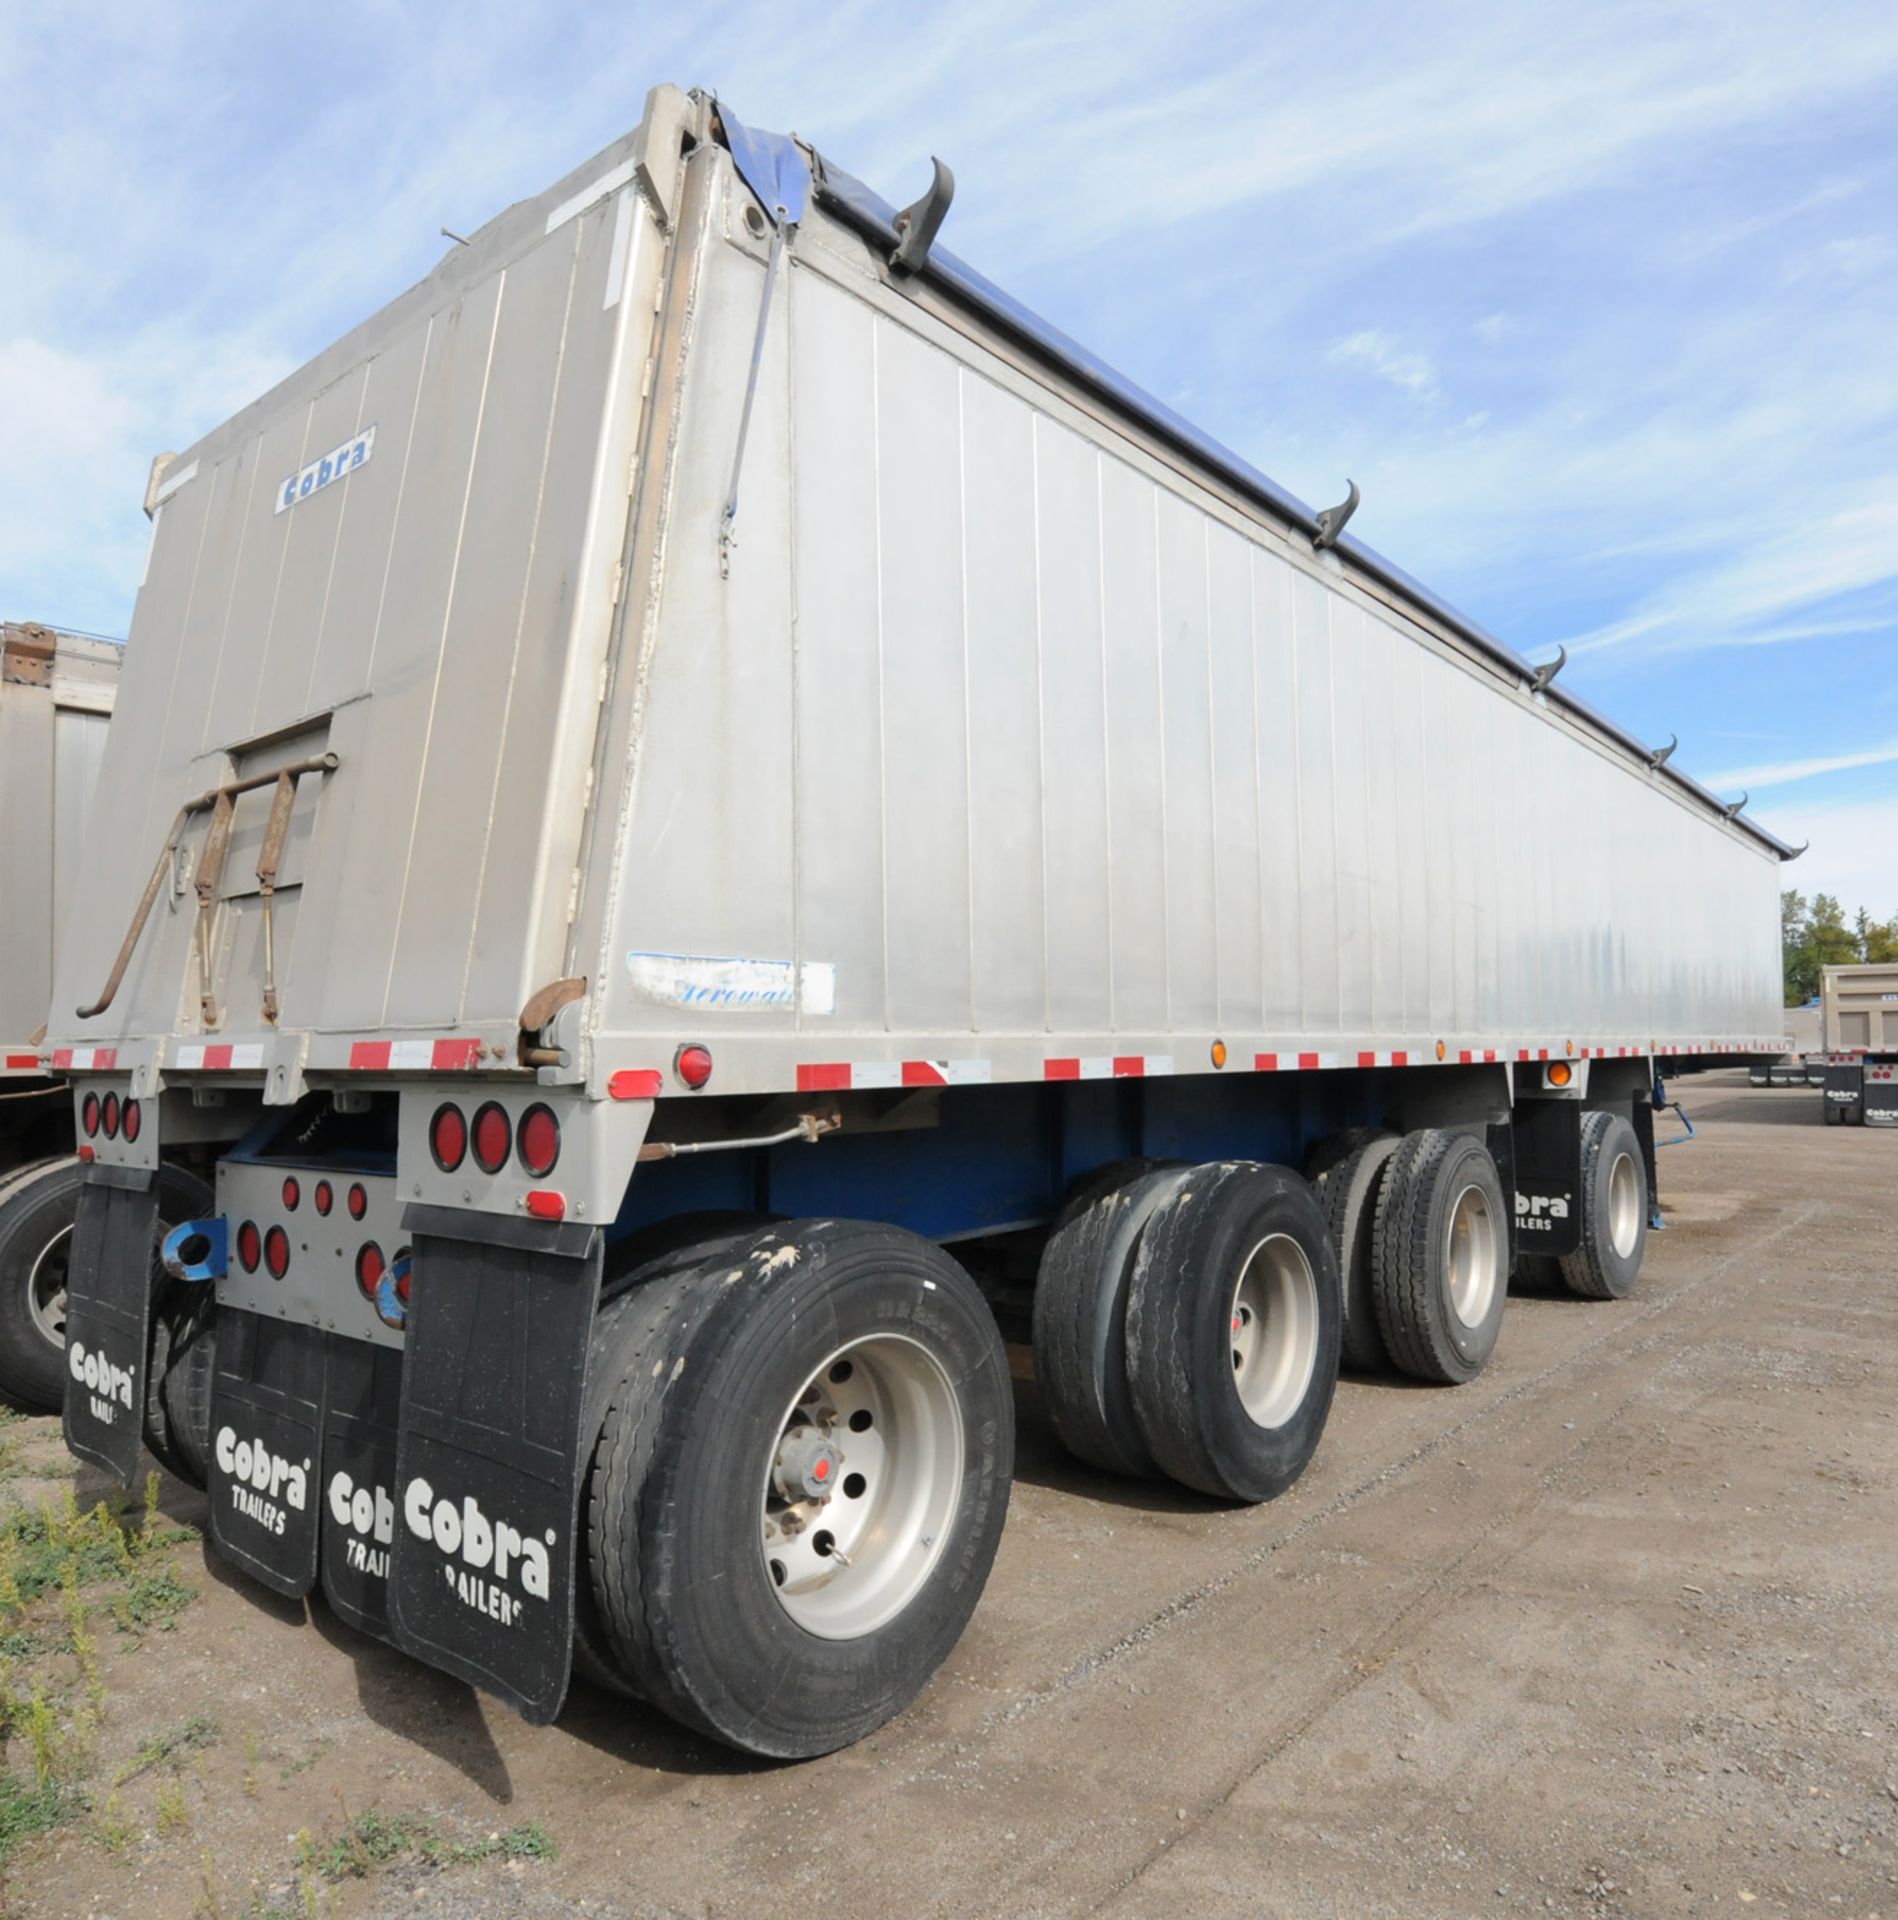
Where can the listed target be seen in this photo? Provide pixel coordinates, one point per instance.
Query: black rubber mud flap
(362, 1407)
(266, 1438)
(488, 1463)
(109, 1284)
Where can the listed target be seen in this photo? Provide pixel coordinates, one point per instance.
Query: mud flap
(110, 1280)
(266, 1432)
(481, 1580)
(360, 1416)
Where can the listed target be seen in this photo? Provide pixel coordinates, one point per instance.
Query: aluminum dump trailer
(1858, 1015)
(56, 693)
(728, 822)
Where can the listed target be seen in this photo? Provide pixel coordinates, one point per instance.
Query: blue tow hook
(392, 1308)
(198, 1250)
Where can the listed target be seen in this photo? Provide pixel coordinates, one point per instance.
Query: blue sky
(1599, 305)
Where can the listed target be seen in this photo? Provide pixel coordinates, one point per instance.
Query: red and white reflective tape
(213, 1056)
(853, 1075)
(1108, 1066)
(82, 1059)
(414, 1056)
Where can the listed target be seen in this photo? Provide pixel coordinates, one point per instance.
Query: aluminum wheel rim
(1274, 1330)
(1469, 1256)
(882, 1417)
(46, 1287)
(1624, 1205)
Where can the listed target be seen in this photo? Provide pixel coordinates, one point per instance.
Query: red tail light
(358, 1203)
(324, 1197)
(292, 1196)
(538, 1141)
(130, 1122)
(544, 1204)
(693, 1065)
(250, 1249)
(277, 1252)
(369, 1269)
(109, 1115)
(448, 1137)
(493, 1135)
(89, 1115)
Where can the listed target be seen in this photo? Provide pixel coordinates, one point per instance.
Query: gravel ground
(1609, 1631)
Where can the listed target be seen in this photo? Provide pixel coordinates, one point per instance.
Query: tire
(1080, 1319)
(38, 1206)
(37, 1210)
(1829, 1112)
(1348, 1193)
(1337, 1148)
(1607, 1264)
(1440, 1256)
(708, 1370)
(1233, 1239)
(184, 1358)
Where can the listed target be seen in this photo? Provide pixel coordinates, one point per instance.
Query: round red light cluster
(369, 1269)
(538, 1141)
(448, 1137)
(492, 1136)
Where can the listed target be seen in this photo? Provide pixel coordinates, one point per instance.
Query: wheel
(1828, 1112)
(1348, 1192)
(1440, 1256)
(801, 1478)
(37, 1210)
(1080, 1318)
(1614, 1203)
(1232, 1330)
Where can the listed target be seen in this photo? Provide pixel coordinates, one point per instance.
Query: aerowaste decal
(710, 981)
(333, 466)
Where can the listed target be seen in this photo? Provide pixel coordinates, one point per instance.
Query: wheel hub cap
(862, 1488)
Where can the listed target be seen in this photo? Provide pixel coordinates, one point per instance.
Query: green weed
(168, 1746)
(372, 1839)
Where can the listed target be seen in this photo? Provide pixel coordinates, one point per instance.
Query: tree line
(1815, 933)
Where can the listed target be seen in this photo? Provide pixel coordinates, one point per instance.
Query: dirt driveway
(1612, 1630)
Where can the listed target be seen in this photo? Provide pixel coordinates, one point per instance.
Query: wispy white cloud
(1379, 354)
(1786, 773)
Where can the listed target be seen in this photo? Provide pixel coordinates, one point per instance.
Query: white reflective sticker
(345, 459)
(715, 982)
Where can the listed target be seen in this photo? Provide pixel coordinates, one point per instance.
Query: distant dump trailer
(1858, 1013)
(728, 818)
(56, 692)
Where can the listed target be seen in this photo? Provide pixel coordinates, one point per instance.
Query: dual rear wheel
(805, 1439)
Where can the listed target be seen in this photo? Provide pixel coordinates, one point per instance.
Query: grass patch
(373, 1839)
(165, 1747)
(31, 1807)
(58, 1568)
